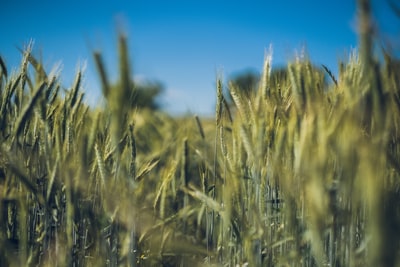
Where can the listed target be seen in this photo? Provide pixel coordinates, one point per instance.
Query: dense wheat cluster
(303, 171)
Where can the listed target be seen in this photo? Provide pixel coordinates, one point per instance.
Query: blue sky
(183, 44)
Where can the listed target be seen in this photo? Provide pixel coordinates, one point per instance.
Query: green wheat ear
(27, 111)
(3, 69)
(105, 86)
(330, 75)
(200, 127)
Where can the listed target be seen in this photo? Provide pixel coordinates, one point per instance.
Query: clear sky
(183, 44)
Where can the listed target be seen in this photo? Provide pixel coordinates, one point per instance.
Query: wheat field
(303, 171)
